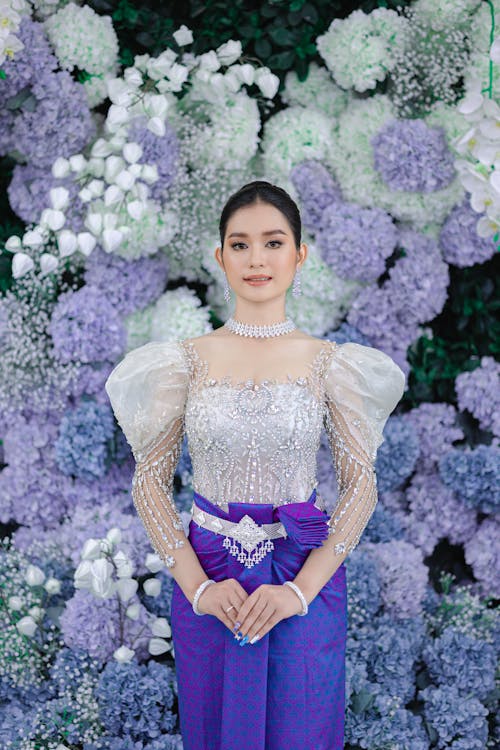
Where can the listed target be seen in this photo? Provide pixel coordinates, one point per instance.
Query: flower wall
(390, 148)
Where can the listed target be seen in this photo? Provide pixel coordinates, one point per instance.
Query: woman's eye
(275, 242)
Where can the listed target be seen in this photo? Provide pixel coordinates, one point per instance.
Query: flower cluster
(477, 391)
(10, 21)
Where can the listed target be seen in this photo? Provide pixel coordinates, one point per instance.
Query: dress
(253, 447)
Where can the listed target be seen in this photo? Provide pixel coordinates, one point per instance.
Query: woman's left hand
(264, 608)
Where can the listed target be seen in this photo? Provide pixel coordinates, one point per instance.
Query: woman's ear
(218, 257)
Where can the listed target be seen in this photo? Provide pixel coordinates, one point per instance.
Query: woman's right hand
(217, 598)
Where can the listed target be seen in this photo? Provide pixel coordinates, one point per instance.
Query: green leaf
(281, 36)
(263, 48)
(282, 60)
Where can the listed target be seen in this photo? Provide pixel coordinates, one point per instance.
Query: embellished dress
(253, 447)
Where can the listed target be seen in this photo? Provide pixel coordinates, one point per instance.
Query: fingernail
(244, 641)
(236, 625)
(255, 638)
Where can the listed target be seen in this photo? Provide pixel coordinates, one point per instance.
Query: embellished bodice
(255, 442)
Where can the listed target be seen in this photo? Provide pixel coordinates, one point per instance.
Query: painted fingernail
(255, 638)
(244, 641)
(236, 625)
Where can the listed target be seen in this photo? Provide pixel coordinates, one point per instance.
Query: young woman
(259, 609)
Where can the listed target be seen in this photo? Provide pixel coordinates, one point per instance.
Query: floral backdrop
(116, 167)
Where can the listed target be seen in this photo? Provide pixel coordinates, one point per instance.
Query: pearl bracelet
(199, 591)
(301, 596)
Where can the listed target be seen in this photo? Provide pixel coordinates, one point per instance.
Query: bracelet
(301, 596)
(199, 591)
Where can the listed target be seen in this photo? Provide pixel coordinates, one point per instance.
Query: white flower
(27, 626)
(229, 52)
(209, 61)
(52, 585)
(132, 152)
(124, 565)
(101, 582)
(267, 82)
(111, 240)
(67, 243)
(153, 562)
(59, 197)
(183, 35)
(15, 603)
(133, 611)
(34, 575)
(123, 654)
(13, 243)
(32, 238)
(48, 264)
(126, 588)
(60, 167)
(152, 586)
(91, 549)
(53, 219)
(161, 627)
(21, 265)
(36, 612)
(158, 646)
(157, 126)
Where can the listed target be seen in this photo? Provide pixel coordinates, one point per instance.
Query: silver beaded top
(265, 331)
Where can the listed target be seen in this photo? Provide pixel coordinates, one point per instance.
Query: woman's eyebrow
(264, 234)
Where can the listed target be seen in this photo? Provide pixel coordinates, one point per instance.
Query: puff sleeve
(148, 390)
(363, 385)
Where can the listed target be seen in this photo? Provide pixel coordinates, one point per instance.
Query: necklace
(266, 331)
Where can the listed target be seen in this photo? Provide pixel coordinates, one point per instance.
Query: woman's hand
(265, 607)
(217, 598)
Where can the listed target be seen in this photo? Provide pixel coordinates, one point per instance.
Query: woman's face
(259, 242)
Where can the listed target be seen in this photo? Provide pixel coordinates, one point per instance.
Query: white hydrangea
(295, 134)
(480, 26)
(478, 73)
(449, 118)
(443, 14)
(85, 40)
(358, 50)
(318, 91)
(353, 163)
(179, 314)
(42, 9)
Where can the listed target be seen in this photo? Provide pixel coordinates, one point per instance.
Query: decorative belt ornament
(249, 542)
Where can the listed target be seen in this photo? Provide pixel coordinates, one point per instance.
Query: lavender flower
(456, 659)
(129, 285)
(162, 151)
(397, 456)
(482, 553)
(29, 64)
(474, 475)
(455, 717)
(478, 392)
(355, 241)
(411, 156)
(135, 700)
(459, 240)
(81, 447)
(403, 576)
(99, 626)
(317, 190)
(85, 327)
(364, 589)
(437, 429)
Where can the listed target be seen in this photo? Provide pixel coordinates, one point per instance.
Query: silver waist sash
(246, 540)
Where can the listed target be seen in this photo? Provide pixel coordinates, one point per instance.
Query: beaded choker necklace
(266, 331)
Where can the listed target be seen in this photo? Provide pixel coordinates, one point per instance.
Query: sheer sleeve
(363, 386)
(148, 391)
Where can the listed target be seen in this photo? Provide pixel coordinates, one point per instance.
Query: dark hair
(266, 192)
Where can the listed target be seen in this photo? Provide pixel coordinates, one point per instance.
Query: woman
(264, 667)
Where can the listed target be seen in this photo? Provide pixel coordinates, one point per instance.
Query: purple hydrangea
(482, 553)
(411, 156)
(364, 583)
(69, 668)
(474, 475)
(82, 445)
(29, 190)
(437, 428)
(163, 151)
(459, 240)
(85, 327)
(99, 626)
(57, 121)
(136, 700)
(346, 332)
(90, 380)
(356, 241)
(398, 454)
(28, 65)
(317, 190)
(403, 576)
(454, 716)
(457, 659)
(478, 392)
(384, 526)
(129, 285)
(436, 513)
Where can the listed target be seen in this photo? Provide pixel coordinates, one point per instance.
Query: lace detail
(199, 368)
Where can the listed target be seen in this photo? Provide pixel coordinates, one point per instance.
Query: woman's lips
(255, 282)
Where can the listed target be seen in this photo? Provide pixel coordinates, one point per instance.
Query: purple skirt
(284, 692)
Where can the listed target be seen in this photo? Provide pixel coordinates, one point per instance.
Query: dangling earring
(296, 291)
(227, 292)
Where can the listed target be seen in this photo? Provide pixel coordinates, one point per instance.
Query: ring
(230, 608)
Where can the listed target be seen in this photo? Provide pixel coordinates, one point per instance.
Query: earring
(227, 292)
(296, 291)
